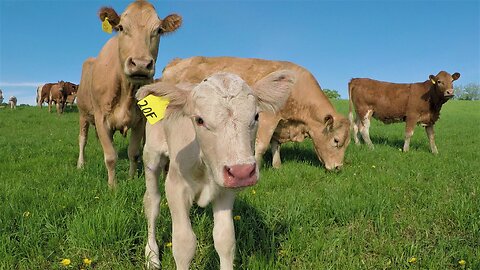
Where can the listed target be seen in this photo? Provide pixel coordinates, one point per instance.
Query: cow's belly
(290, 131)
(123, 118)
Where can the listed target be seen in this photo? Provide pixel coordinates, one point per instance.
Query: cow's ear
(178, 98)
(171, 23)
(111, 14)
(273, 90)
(455, 76)
(433, 79)
(328, 120)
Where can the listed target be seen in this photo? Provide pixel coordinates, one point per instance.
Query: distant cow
(43, 93)
(1, 97)
(109, 82)
(307, 113)
(396, 102)
(12, 102)
(57, 96)
(210, 132)
(71, 93)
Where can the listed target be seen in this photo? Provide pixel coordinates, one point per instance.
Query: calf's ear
(273, 90)
(455, 76)
(171, 23)
(433, 79)
(178, 97)
(328, 120)
(111, 14)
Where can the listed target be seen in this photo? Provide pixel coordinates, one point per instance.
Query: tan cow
(109, 82)
(12, 102)
(412, 103)
(307, 113)
(57, 96)
(210, 133)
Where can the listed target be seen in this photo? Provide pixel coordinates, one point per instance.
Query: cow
(1, 97)
(71, 94)
(12, 102)
(57, 96)
(411, 103)
(43, 93)
(307, 113)
(106, 94)
(209, 135)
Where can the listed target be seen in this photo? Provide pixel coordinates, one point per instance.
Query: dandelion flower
(87, 261)
(26, 214)
(169, 244)
(373, 166)
(254, 192)
(462, 262)
(96, 197)
(236, 217)
(412, 260)
(65, 262)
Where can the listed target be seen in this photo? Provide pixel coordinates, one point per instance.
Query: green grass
(382, 209)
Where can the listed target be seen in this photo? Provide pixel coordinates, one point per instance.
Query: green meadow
(385, 210)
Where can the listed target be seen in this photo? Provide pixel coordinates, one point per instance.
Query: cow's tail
(350, 104)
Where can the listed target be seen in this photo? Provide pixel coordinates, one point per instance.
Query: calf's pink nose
(240, 175)
(241, 171)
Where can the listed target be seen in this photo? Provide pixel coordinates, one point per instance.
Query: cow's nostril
(131, 62)
(150, 65)
(252, 173)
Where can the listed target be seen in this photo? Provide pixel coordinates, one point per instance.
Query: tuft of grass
(382, 210)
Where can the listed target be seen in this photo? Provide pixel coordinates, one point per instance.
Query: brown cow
(307, 112)
(43, 93)
(71, 94)
(57, 96)
(109, 82)
(412, 103)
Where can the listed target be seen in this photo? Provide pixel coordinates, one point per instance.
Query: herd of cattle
(60, 93)
(224, 113)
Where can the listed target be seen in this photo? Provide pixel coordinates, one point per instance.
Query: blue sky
(399, 41)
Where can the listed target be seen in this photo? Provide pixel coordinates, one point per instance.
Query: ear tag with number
(153, 107)
(106, 26)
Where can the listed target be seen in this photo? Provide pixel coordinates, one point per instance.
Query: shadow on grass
(293, 152)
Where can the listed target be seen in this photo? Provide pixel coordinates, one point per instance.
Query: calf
(57, 96)
(412, 103)
(209, 133)
(109, 82)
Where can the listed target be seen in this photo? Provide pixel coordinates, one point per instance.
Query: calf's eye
(199, 121)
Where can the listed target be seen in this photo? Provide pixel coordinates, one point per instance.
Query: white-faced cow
(412, 103)
(106, 95)
(209, 133)
(12, 102)
(307, 113)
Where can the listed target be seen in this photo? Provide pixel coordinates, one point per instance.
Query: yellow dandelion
(169, 244)
(254, 192)
(96, 197)
(87, 261)
(237, 217)
(26, 214)
(462, 262)
(412, 260)
(65, 262)
(373, 166)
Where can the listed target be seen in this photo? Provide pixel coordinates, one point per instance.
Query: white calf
(209, 135)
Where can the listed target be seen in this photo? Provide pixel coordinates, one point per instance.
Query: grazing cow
(106, 95)
(412, 103)
(43, 93)
(71, 94)
(210, 133)
(12, 102)
(307, 113)
(57, 96)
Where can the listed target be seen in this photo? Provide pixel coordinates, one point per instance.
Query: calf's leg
(223, 229)
(409, 128)
(266, 126)
(82, 140)
(431, 138)
(275, 147)
(134, 147)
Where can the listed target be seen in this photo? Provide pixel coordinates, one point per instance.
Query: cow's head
(224, 113)
(443, 83)
(331, 138)
(139, 29)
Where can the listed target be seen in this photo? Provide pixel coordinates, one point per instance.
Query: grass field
(385, 210)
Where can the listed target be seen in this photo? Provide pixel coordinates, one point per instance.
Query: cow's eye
(120, 28)
(256, 117)
(199, 121)
(336, 141)
(439, 82)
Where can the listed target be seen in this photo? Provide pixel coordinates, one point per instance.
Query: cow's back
(387, 102)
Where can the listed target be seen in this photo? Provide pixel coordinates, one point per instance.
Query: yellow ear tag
(433, 81)
(153, 107)
(106, 26)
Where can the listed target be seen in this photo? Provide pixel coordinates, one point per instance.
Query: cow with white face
(209, 135)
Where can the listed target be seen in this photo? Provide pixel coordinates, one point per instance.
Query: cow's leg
(105, 135)
(223, 229)
(180, 199)
(82, 140)
(49, 106)
(431, 138)
(57, 105)
(409, 128)
(266, 126)
(275, 147)
(154, 159)
(365, 127)
(134, 147)
(355, 125)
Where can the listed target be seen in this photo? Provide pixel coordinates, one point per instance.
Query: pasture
(385, 210)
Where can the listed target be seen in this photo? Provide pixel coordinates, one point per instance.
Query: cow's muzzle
(140, 69)
(237, 176)
(448, 93)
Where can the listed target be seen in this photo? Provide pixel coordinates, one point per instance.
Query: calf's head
(443, 83)
(224, 114)
(139, 29)
(331, 139)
